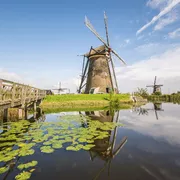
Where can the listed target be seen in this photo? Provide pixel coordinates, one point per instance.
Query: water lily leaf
(47, 143)
(71, 148)
(23, 176)
(79, 146)
(6, 158)
(47, 149)
(27, 165)
(88, 146)
(90, 141)
(22, 144)
(57, 146)
(82, 140)
(3, 169)
(26, 152)
(32, 170)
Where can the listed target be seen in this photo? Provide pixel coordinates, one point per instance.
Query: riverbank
(85, 101)
(165, 98)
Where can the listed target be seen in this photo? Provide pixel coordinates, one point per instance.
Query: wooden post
(35, 107)
(1, 89)
(1, 83)
(5, 115)
(13, 94)
(20, 114)
(25, 112)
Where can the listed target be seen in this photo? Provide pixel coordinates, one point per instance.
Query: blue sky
(40, 40)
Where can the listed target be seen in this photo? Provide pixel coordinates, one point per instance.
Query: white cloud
(127, 41)
(10, 76)
(157, 4)
(154, 48)
(149, 126)
(165, 66)
(163, 12)
(140, 37)
(175, 34)
(166, 21)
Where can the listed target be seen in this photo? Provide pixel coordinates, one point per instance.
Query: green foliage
(157, 93)
(47, 149)
(27, 165)
(143, 92)
(23, 176)
(86, 97)
(3, 169)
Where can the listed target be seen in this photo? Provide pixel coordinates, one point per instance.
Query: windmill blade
(155, 80)
(83, 76)
(91, 28)
(89, 25)
(156, 114)
(115, 53)
(149, 86)
(106, 28)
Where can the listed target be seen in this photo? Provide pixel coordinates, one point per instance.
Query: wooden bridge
(18, 95)
(21, 96)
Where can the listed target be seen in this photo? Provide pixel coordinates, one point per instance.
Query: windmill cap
(94, 51)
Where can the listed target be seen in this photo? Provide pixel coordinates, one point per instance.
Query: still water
(146, 147)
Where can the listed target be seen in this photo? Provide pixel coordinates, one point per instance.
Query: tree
(142, 92)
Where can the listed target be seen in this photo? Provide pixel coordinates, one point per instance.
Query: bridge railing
(13, 92)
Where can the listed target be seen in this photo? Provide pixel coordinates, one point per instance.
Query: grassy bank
(83, 100)
(165, 98)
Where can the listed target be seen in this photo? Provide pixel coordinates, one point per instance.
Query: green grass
(84, 97)
(79, 101)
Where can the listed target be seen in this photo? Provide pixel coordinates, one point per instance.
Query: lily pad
(27, 165)
(23, 176)
(71, 148)
(26, 152)
(88, 146)
(3, 169)
(47, 149)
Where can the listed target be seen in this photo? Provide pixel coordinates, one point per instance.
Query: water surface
(152, 150)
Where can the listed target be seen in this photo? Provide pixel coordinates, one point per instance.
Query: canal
(141, 143)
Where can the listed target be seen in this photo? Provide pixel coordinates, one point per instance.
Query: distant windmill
(156, 87)
(98, 74)
(59, 89)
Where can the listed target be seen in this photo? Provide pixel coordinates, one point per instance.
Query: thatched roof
(95, 50)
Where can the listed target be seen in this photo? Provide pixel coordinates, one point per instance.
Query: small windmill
(156, 87)
(59, 89)
(98, 72)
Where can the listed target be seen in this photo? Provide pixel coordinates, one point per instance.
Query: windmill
(98, 74)
(59, 89)
(156, 87)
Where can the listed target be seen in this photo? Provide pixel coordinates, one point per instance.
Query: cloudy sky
(40, 41)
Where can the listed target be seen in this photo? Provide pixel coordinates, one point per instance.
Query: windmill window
(108, 90)
(91, 91)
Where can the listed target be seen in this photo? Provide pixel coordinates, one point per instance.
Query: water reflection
(13, 115)
(157, 106)
(107, 148)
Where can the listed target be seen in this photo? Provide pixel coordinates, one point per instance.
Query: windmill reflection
(157, 106)
(106, 149)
